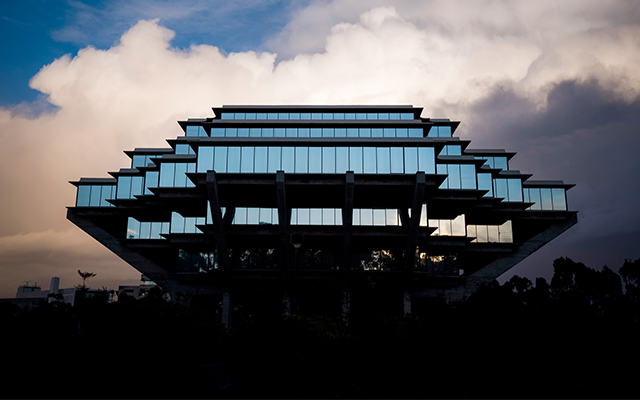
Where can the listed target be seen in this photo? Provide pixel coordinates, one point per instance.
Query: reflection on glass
(274, 159)
(288, 157)
(355, 159)
(260, 160)
(545, 195)
(84, 192)
(559, 199)
(220, 159)
(369, 160)
(342, 159)
(315, 160)
(329, 160)
(397, 160)
(302, 160)
(233, 159)
(124, 185)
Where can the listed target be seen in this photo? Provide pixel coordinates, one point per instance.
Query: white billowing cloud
(131, 94)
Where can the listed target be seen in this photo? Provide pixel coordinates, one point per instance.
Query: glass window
(95, 196)
(231, 132)
(458, 226)
(217, 132)
(406, 116)
(402, 132)
(145, 230)
(534, 197)
(294, 116)
(84, 193)
(369, 154)
(167, 171)
(329, 160)
(494, 234)
(255, 132)
(342, 160)
(484, 183)
(505, 233)
(124, 185)
(547, 202)
(482, 234)
(379, 217)
(283, 116)
(361, 116)
(288, 157)
(384, 160)
(316, 115)
(397, 160)
(303, 216)
(352, 132)
(133, 229)
(384, 116)
(137, 183)
(205, 159)
(376, 132)
(315, 216)
(356, 217)
(250, 116)
(355, 159)
(410, 160)
(515, 189)
(366, 216)
(349, 116)
(365, 132)
(454, 176)
(302, 159)
(156, 229)
(233, 159)
(239, 116)
(180, 179)
(559, 199)
(261, 116)
(372, 116)
(392, 217)
(338, 116)
(227, 116)
(272, 115)
(303, 132)
(316, 132)
(444, 131)
(260, 159)
(192, 131)
(327, 116)
(389, 132)
(139, 160)
(328, 216)
(341, 132)
(500, 188)
(279, 132)
(305, 116)
(433, 132)
(177, 223)
(267, 132)
(500, 162)
(109, 191)
(246, 165)
(253, 215)
(315, 160)
(426, 160)
(243, 132)
(240, 216)
(467, 176)
(274, 159)
(220, 159)
(327, 132)
(291, 132)
(415, 132)
(394, 116)
(151, 181)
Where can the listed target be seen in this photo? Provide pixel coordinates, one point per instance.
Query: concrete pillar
(407, 302)
(226, 307)
(346, 306)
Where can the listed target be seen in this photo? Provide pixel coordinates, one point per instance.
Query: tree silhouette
(85, 276)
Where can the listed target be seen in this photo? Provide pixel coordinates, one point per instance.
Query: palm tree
(85, 276)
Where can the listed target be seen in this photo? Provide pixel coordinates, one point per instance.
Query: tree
(85, 276)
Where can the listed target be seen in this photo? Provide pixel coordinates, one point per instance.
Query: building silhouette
(316, 207)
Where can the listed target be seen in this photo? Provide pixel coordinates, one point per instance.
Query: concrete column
(407, 302)
(226, 308)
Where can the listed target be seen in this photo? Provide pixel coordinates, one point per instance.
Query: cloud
(513, 74)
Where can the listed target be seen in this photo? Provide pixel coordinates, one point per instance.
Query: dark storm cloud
(586, 135)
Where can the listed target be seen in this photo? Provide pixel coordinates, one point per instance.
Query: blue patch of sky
(38, 32)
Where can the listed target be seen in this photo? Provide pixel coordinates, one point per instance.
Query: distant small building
(30, 295)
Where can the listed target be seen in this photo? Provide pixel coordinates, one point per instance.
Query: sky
(556, 82)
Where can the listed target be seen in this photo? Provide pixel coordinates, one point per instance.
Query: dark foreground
(575, 338)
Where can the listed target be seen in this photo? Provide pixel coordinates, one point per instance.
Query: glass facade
(546, 199)
(370, 160)
(95, 195)
(340, 116)
(318, 132)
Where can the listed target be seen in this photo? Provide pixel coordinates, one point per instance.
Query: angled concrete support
(216, 216)
(347, 219)
(498, 267)
(414, 221)
(283, 223)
